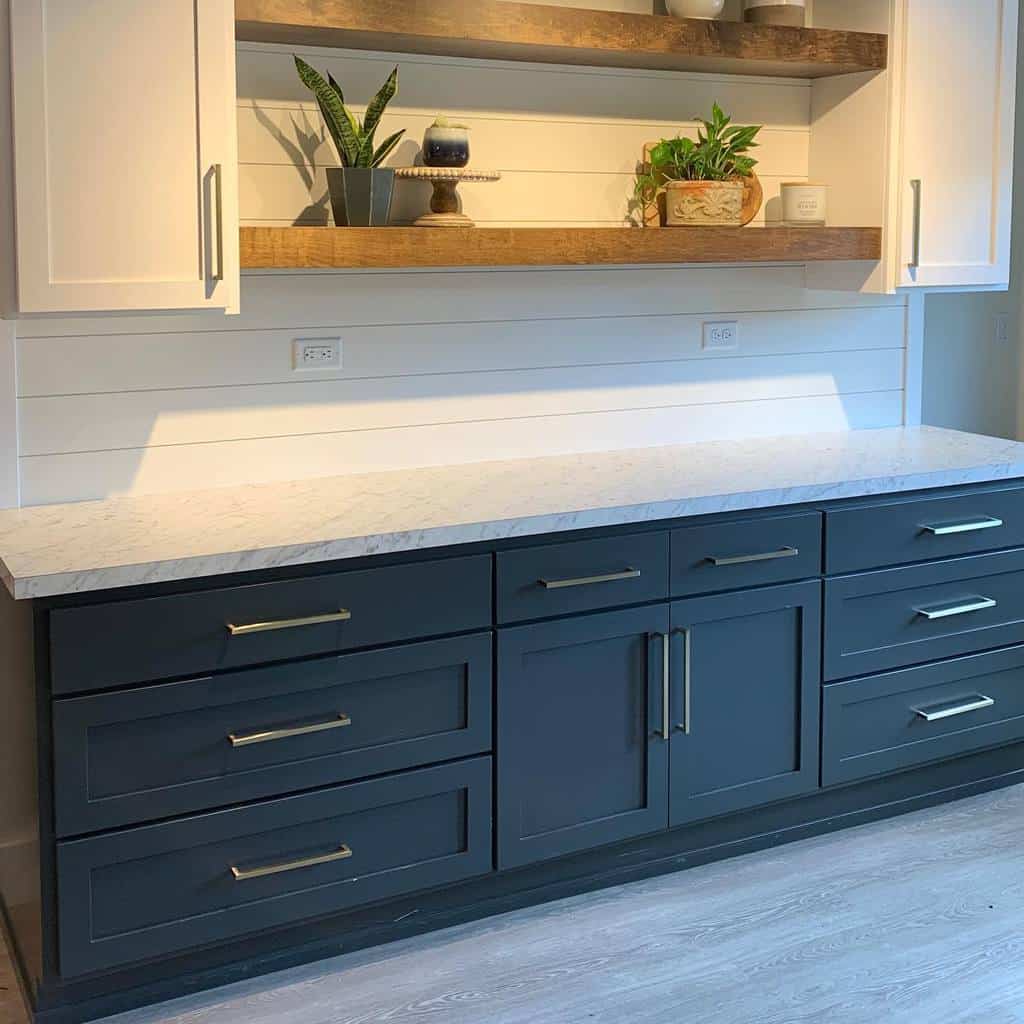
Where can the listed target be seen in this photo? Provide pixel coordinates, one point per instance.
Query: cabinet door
(582, 758)
(959, 82)
(126, 170)
(746, 699)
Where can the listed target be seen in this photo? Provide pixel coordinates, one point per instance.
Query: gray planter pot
(361, 196)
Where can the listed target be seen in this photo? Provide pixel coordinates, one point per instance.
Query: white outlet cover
(311, 354)
(721, 336)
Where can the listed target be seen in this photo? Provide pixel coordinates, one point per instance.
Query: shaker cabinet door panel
(581, 757)
(959, 70)
(125, 155)
(746, 698)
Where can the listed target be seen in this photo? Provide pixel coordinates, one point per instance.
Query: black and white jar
(446, 144)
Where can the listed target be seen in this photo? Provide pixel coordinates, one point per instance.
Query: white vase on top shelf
(695, 8)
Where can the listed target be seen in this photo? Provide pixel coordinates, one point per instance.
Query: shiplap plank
(84, 423)
(295, 136)
(303, 300)
(290, 195)
(8, 417)
(133, 362)
(56, 478)
(454, 86)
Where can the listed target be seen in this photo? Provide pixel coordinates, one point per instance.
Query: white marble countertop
(65, 549)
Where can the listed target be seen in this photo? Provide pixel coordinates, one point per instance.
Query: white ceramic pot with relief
(695, 8)
(704, 203)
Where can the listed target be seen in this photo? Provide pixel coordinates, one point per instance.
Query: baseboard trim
(774, 825)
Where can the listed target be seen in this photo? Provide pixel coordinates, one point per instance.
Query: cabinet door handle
(218, 224)
(978, 704)
(944, 611)
(967, 526)
(666, 729)
(915, 252)
(248, 739)
(685, 726)
(586, 581)
(764, 556)
(244, 874)
(310, 620)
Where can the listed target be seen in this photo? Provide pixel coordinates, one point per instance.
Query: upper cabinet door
(125, 154)
(956, 142)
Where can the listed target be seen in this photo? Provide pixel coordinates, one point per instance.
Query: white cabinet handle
(945, 611)
(915, 257)
(978, 704)
(968, 526)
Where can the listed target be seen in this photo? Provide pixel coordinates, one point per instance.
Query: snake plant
(353, 138)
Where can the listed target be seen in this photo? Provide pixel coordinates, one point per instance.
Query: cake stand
(444, 203)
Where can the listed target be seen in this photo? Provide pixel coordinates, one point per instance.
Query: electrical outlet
(724, 335)
(316, 354)
(1002, 328)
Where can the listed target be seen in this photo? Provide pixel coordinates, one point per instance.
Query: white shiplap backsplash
(460, 366)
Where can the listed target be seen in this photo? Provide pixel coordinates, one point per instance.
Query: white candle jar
(804, 205)
(777, 12)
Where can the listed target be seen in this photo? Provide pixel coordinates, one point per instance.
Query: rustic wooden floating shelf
(305, 248)
(560, 35)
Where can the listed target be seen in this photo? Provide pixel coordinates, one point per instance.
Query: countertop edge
(31, 587)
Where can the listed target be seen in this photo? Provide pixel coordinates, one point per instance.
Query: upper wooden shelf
(305, 248)
(560, 35)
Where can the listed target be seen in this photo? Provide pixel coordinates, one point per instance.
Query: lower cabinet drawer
(895, 618)
(891, 722)
(160, 889)
(158, 751)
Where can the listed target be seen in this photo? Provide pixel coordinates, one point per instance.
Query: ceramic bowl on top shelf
(707, 9)
(792, 13)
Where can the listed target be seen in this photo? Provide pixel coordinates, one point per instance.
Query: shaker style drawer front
(95, 647)
(159, 889)
(749, 553)
(895, 721)
(897, 617)
(582, 575)
(921, 529)
(157, 751)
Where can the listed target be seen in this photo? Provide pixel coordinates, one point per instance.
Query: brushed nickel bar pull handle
(915, 258)
(218, 195)
(666, 693)
(968, 526)
(977, 604)
(244, 874)
(978, 704)
(248, 739)
(764, 556)
(685, 726)
(586, 581)
(310, 620)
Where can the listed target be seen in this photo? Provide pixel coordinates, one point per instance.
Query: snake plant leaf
(339, 120)
(335, 87)
(379, 103)
(384, 150)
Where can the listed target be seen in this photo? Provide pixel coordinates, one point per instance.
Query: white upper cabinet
(954, 161)
(126, 171)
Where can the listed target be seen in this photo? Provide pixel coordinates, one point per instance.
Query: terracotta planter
(705, 203)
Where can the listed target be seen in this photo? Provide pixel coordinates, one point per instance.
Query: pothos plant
(718, 154)
(354, 138)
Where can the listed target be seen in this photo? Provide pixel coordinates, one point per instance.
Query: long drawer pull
(977, 604)
(244, 874)
(686, 725)
(248, 739)
(978, 704)
(586, 581)
(968, 526)
(666, 732)
(764, 556)
(310, 620)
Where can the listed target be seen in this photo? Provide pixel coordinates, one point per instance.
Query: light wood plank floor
(918, 920)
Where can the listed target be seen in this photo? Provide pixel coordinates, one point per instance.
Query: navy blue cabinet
(745, 704)
(582, 757)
